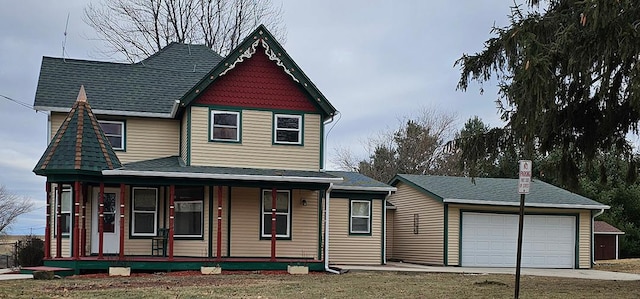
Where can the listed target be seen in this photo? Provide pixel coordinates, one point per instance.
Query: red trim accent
(83, 231)
(101, 222)
(172, 193)
(258, 83)
(219, 236)
(47, 228)
(76, 220)
(273, 223)
(58, 226)
(121, 251)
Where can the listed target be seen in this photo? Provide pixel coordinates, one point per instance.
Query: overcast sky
(376, 61)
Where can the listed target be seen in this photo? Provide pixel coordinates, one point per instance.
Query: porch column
(47, 228)
(172, 193)
(121, 251)
(219, 234)
(83, 231)
(274, 197)
(58, 222)
(101, 221)
(76, 220)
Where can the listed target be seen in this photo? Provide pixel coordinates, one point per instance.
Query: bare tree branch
(12, 206)
(136, 29)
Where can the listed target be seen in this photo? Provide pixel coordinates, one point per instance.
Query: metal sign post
(524, 183)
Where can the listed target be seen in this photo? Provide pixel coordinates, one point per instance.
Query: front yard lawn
(623, 265)
(317, 285)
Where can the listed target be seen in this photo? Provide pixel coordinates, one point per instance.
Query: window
(188, 215)
(65, 210)
(283, 214)
(145, 211)
(287, 129)
(109, 218)
(114, 131)
(225, 126)
(360, 222)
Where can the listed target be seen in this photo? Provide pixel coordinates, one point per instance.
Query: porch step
(56, 270)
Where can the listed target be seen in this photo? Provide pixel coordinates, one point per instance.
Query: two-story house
(189, 158)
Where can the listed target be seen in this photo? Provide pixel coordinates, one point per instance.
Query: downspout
(326, 231)
(384, 240)
(593, 255)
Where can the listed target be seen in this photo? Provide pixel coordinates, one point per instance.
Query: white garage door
(490, 240)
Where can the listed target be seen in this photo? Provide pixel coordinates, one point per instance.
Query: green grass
(350, 285)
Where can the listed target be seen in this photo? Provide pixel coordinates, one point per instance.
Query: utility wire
(23, 104)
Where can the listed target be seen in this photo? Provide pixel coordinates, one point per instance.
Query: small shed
(607, 240)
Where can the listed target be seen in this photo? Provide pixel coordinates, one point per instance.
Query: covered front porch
(168, 222)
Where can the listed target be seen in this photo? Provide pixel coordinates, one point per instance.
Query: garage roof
(496, 191)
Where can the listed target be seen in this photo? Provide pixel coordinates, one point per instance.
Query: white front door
(491, 239)
(111, 221)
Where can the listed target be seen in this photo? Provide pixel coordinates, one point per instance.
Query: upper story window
(225, 126)
(287, 129)
(114, 131)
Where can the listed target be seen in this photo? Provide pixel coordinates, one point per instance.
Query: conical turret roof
(79, 146)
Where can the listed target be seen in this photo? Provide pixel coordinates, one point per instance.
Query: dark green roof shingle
(493, 190)
(150, 86)
(356, 180)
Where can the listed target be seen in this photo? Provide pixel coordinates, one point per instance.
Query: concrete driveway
(569, 273)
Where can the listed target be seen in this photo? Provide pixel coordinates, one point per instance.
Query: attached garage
(454, 221)
(490, 240)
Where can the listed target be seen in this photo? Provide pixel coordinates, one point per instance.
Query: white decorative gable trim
(252, 50)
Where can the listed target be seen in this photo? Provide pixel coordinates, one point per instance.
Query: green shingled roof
(79, 146)
(150, 86)
(494, 191)
(358, 181)
(173, 166)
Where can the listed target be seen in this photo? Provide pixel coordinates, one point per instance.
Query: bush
(30, 252)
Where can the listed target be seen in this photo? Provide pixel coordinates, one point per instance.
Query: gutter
(114, 112)
(531, 205)
(593, 255)
(218, 176)
(357, 188)
(326, 231)
(174, 108)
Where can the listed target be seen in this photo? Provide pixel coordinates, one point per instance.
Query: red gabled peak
(257, 82)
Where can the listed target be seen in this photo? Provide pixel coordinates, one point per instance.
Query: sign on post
(524, 181)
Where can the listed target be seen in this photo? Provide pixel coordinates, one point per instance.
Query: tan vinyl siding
(426, 246)
(584, 228)
(256, 149)
(245, 225)
(453, 236)
(145, 138)
(584, 248)
(389, 235)
(353, 249)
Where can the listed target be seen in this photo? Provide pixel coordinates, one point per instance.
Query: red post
(47, 228)
(172, 193)
(58, 223)
(274, 197)
(219, 238)
(121, 251)
(101, 221)
(76, 220)
(83, 233)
